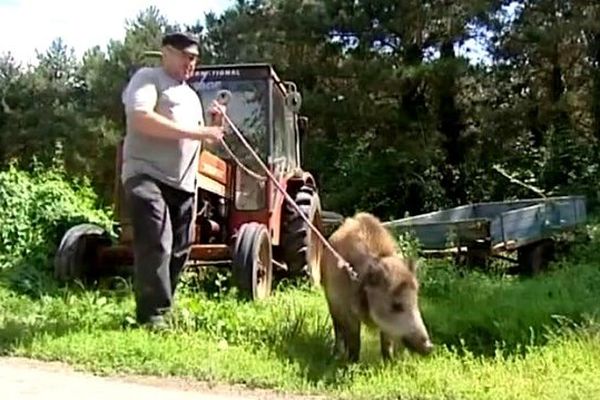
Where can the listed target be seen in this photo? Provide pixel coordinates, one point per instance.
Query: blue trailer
(482, 230)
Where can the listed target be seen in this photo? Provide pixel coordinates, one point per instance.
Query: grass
(497, 337)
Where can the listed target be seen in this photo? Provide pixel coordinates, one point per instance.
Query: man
(165, 129)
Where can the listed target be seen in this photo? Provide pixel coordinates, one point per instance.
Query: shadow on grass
(15, 333)
(34, 305)
(21, 333)
(311, 349)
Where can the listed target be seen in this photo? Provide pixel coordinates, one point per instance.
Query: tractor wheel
(301, 249)
(252, 261)
(76, 254)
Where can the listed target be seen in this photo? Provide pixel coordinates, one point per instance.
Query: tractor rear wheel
(77, 253)
(301, 248)
(252, 261)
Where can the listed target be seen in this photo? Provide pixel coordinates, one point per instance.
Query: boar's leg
(352, 339)
(340, 347)
(347, 337)
(387, 346)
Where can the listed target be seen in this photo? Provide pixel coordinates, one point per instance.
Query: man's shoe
(156, 323)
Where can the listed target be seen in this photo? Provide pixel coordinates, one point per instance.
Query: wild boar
(383, 297)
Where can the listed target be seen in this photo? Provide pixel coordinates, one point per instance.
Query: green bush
(36, 209)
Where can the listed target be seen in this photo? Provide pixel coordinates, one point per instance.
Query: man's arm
(140, 100)
(153, 124)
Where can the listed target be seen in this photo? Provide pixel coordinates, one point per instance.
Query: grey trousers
(162, 219)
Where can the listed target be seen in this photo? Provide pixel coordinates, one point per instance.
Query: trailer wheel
(478, 254)
(77, 252)
(535, 257)
(302, 250)
(252, 261)
(477, 258)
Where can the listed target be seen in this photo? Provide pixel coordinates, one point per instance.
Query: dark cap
(182, 41)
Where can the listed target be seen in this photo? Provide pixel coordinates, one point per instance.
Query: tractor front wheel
(252, 261)
(301, 248)
(76, 256)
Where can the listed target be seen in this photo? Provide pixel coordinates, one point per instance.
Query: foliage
(398, 105)
(36, 209)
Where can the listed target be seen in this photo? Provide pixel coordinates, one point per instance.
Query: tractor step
(210, 252)
(122, 254)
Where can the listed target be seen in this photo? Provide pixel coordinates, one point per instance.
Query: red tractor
(243, 221)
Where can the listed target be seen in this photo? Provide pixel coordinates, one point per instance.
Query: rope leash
(341, 262)
(240, 164)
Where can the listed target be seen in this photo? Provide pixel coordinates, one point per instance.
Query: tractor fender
(305, 177)
(309, 179)
(300, 179)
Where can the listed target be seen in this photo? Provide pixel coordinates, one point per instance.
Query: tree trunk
(595, 52)
(451, 128)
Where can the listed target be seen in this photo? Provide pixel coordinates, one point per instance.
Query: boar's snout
(419, 344)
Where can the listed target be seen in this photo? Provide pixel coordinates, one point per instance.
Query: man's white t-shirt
(172, 161)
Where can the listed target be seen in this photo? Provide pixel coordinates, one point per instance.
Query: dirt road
(24, 379)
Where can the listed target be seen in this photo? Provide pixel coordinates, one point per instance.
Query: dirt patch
(29, 379)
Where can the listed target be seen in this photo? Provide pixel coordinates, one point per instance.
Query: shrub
(36, 209)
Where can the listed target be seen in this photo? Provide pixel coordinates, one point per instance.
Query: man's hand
(210, 134)
(217, 111)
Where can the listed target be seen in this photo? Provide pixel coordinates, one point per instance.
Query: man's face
(180, 64)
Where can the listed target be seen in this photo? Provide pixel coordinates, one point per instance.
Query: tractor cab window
(248, 109)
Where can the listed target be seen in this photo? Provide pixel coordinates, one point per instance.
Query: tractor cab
(264, 109)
